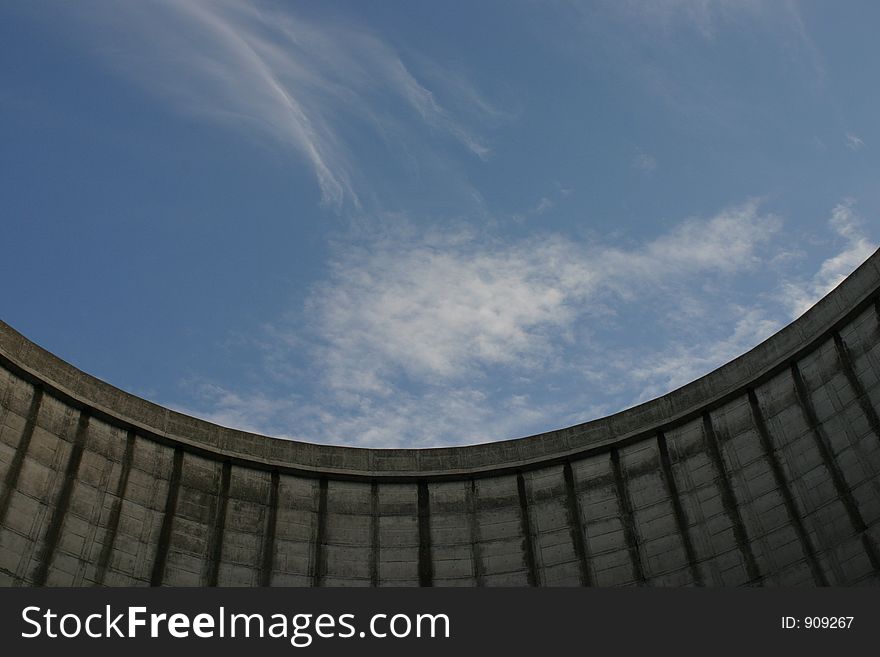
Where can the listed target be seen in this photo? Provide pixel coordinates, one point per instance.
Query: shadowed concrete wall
(764, 472)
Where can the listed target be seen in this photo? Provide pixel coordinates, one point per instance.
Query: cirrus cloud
(300, 83)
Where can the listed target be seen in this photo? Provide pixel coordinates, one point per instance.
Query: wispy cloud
(452, 337)
(799, 294)
(644, 162)
(653, 374)
(544, 205)
(707, 17)
(458, 415)
(675, 36)
(854, 142)
(703, 15)
(298, 81)
(442, 306)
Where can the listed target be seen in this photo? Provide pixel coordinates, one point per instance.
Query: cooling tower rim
(153, 421)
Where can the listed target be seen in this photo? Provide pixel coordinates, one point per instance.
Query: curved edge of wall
(124, 410)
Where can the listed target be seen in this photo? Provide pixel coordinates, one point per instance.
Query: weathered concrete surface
(764, 472)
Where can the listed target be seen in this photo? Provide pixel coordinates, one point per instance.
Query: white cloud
(451, 337)
(441, 307)
(266, 70)
(800, 295)
(461, 415)
(644, 162)
(854, 142)
(707, 16)
(544, 205)
(251, 411)
(700, 14)
(677, 364)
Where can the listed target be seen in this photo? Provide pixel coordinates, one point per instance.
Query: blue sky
(420, 223)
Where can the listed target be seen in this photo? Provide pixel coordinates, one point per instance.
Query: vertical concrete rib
(426, 565)
(784, 489)
(526, 524)
(158, 573)
(827, 454)
(728, 500)
(215, 543)
(681, 520)
(849, 371)
(10, 481)
(374, 533)
(576, 524)
(470, 494)
(319, 556)
(116, 509)
(626, 518)
(53, 533)
(267, 561)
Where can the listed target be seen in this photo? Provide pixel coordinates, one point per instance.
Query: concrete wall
(764, 472)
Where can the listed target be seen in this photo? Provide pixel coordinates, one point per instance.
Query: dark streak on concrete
(784, 489)
(426, 566)
(113, 520)
(576, 525)
(846, 362)
(476, 550)
(10, 481)
(728, 499)
(60, 511)
(827, 454)
(161, 557)
(319, 557)
(681, 519)
(267, 562)
(626, 518)
(215, 543)
(526, 524)
(374, 534)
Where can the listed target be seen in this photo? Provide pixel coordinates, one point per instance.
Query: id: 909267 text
(817, 622)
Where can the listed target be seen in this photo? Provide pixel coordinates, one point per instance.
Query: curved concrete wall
(764, 472)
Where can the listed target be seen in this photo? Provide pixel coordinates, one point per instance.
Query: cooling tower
(763, 472)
